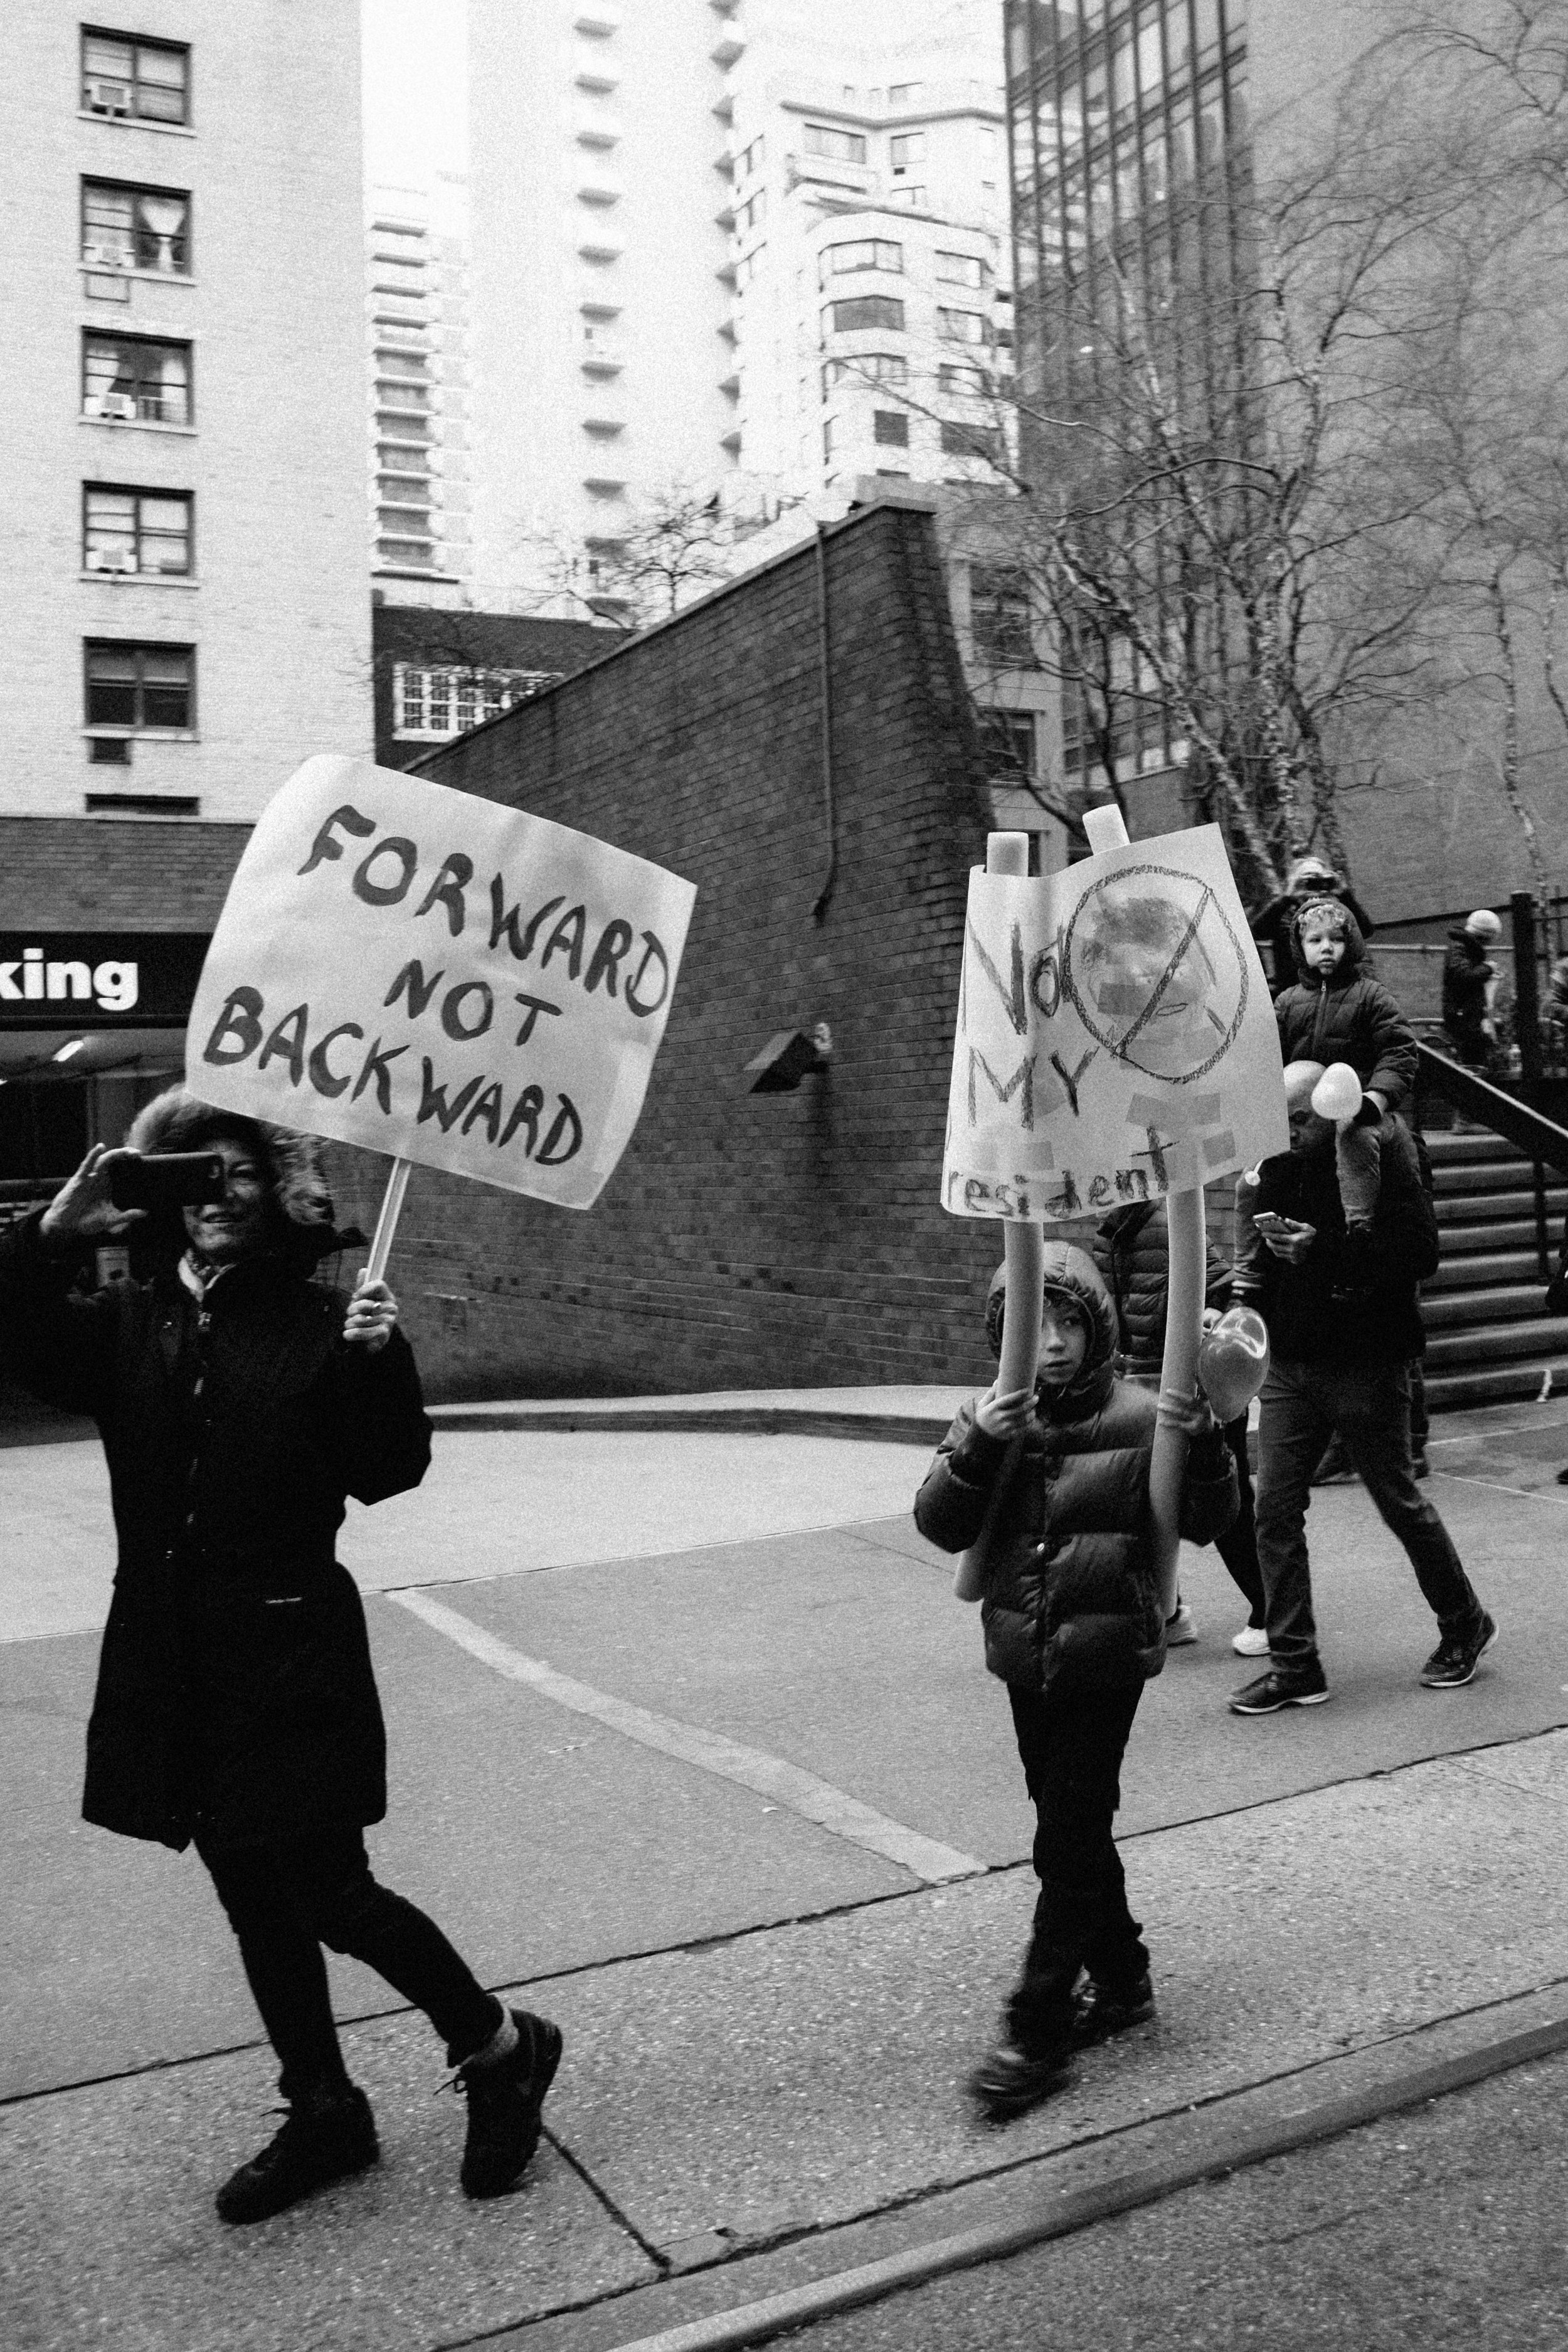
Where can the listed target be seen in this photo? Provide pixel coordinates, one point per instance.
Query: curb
(741, 1421)
(1208, 2154)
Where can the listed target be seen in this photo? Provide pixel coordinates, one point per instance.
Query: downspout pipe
(824, 695)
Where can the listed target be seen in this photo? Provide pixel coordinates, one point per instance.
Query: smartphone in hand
(166, 1180)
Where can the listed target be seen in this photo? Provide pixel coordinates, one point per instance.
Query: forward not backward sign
(403, 967)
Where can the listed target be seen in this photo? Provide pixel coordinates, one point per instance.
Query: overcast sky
(415, 73)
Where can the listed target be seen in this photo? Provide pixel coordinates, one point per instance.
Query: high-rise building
(416, 302)
(183, 574)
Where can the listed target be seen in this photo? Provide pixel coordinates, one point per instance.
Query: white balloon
(1337, 1093)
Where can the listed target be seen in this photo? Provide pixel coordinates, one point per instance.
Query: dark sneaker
(1454, 1661)
(1009, 2080)
(1102, 2009)
(1304, 1686)
(326, 2138)
(505, 2099)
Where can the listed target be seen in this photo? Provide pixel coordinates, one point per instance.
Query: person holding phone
(240, 1401)
(1343, 1245)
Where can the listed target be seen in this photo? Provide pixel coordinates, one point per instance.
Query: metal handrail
(1544, 1143)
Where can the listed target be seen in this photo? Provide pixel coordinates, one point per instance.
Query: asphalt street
(691, 1745)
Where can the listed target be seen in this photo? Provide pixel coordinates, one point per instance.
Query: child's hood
(1072, 1274)
(1349, 963)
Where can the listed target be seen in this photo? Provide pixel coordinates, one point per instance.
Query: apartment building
(184, 575)
(417, 304)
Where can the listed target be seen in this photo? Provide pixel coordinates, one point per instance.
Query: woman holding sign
(240, 1402)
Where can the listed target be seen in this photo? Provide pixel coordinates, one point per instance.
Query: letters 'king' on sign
(410, 969)
(1115, 1037)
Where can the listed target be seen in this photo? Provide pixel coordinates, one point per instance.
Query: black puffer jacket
(1467, 969)
(235, 1692)
(1132, 1255)
(1352, 1299)
(1072, 1600)
(1348, 1017)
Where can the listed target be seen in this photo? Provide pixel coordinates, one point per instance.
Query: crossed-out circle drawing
(1155, 970)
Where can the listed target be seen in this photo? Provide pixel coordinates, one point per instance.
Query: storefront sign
(98, 980)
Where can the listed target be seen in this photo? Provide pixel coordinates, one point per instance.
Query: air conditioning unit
(117, 404)
(106, 256)
(108, 97)
(110, 559)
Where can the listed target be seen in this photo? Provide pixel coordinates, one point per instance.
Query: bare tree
(666, 548)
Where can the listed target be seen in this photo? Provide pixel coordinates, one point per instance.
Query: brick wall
(114, 874)
(747, 1240)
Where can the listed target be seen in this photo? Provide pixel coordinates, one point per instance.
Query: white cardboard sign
(413, 970)
(1115, 1037)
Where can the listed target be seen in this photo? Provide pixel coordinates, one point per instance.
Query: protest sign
(427, 974)
(1115, 1037)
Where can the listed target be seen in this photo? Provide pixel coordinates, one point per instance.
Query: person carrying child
(1344, 1241)
(1055, 1481)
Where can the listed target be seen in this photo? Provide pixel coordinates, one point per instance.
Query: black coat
(1467, 969)
(1352, 1299)
(1132, 1251)
(1350, 1017)
(235, 1691)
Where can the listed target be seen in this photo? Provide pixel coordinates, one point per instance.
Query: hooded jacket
(1347, 1016)
(235, 1698)
(1072, 1602)
(1309, 879)
(1133, 1257)
(1352, 1299)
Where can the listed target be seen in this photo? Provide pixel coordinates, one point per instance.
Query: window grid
(135, 381)
(446, 701)
(128, 227)
(122, 74)
(130, 531)
(140, 687)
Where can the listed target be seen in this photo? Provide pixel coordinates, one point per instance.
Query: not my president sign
(406, 968)
(1115, 1037)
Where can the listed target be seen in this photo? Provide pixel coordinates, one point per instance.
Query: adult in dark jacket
(1055, 1481)
(1468, 973)
(1309, 877)
(1339, 1297)
(1337, 1013)
(1133, 1253)
(240, 1402)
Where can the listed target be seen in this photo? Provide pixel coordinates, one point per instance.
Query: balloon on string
(1233, 1361)
(1337, 1094)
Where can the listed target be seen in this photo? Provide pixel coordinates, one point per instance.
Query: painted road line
(749, 1767)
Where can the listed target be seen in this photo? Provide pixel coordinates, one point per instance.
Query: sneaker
(1454, 1661)
(1182, 1627)
(325, 2137)
(1102, 2009)
(1303, 1686)
(505, 2100)
(1252, 1642)
(1009, 2080)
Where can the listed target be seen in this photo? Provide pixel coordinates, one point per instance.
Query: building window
(867, 367)
(906, 93)
(147, 81)
(961, 270)
(135, 228)
(986, 441)
(891, 427)
(908, 198)
(749, 158)
(954, 376)
(867, 253)
(1001, 615)
(908, 147)
(1008, 737)
(843, 146)
(829, 435)
(135, 530)
(135, 381)
(753, 214)
(445, 702)
(963, 327)
(866, 310)
(140, 686)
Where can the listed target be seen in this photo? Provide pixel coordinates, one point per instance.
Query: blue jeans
(1302, 1406)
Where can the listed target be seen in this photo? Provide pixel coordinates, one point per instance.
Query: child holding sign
(1055, 1479)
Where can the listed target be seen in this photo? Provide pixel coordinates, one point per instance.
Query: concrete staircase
(1489, 1338)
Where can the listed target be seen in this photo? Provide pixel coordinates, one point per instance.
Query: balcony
(730, 46)
(600, 245)
(598, 19)
(597, 187)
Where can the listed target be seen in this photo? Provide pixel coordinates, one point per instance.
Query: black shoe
(1306, 1687)
(1009, 2080)
(505, 2099)
(1102, 2009)
(1454, 1661)
(326, 2136)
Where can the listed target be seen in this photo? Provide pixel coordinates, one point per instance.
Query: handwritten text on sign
(1115, 1036)
(408, 968)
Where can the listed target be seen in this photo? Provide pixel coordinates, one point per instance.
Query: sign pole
(1024, 1247)
(1186, 1243)
(387, 1224)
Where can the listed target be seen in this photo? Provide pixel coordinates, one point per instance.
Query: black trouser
(1239, 1545)
(285, 1900)
(1072, 1750)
